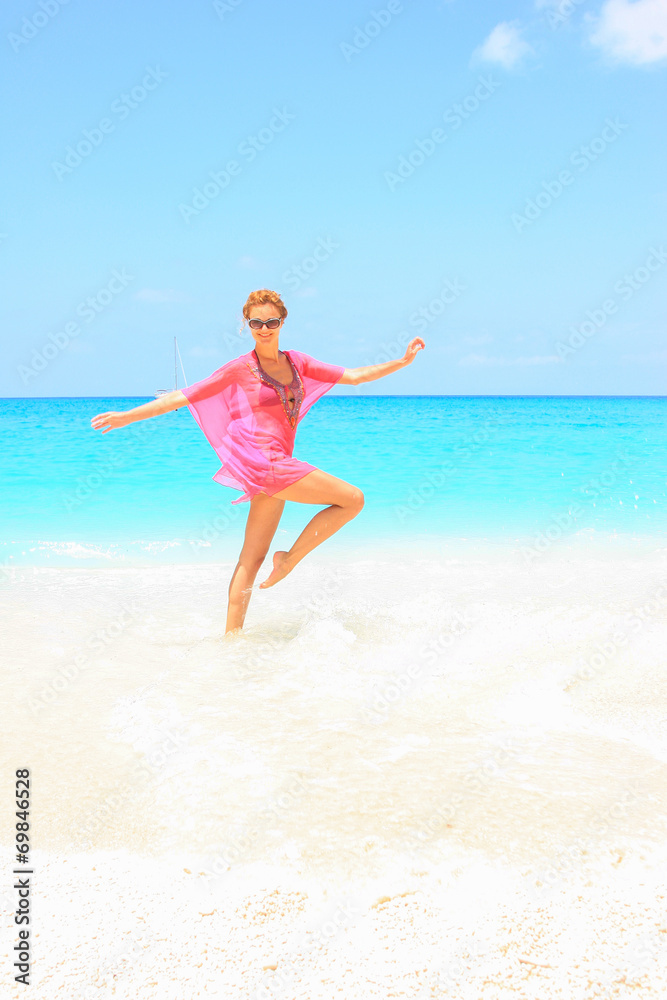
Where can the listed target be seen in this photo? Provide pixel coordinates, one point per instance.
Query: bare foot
(280, 569)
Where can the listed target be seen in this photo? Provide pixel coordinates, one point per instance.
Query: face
(264, 312)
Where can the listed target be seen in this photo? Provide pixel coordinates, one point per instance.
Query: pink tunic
(247, 418)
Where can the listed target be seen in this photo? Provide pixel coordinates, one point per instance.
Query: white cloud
(522, 362)
(634, 33)
(160, 295)
(504, 45)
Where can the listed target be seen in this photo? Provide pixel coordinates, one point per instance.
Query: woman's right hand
(110, 421)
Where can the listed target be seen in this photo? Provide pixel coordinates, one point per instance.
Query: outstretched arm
(368, 373)
(109, 421)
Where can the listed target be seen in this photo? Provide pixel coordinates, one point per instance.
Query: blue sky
(488, 176)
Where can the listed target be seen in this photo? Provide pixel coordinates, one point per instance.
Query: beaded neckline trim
(280, 388)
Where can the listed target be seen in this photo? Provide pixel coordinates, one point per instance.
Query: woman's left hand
(416, 344)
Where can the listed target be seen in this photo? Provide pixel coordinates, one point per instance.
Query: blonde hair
(264, 296)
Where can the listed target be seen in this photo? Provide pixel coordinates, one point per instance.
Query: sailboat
(177, 355)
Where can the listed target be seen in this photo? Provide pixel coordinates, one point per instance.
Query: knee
(252, 561)
(357, 500)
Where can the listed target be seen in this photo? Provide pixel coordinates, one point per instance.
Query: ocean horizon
(503, 469)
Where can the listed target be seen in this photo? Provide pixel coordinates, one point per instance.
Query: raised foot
(281, 568)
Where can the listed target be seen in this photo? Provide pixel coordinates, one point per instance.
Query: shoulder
(218, 381)
(319, 371)
(235, 367)
(230, 366)
(301, 360)
(242, 360)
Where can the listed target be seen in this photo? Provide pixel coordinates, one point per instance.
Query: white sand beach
(426, 775)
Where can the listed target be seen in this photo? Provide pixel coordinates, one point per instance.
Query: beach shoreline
(454, 761)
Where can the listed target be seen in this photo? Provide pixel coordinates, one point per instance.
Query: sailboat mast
(185, 377)
(175, 367)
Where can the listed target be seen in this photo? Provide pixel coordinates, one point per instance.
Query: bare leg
(319, 488)
(263, 519)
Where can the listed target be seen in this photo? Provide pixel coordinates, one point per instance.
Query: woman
(249, 411)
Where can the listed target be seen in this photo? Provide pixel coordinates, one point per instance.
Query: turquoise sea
(499, 468)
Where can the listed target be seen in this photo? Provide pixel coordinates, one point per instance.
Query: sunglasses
(257, 324)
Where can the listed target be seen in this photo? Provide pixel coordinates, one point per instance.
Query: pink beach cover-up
(247, 420)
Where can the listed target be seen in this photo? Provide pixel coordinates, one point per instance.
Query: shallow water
(376, 712)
